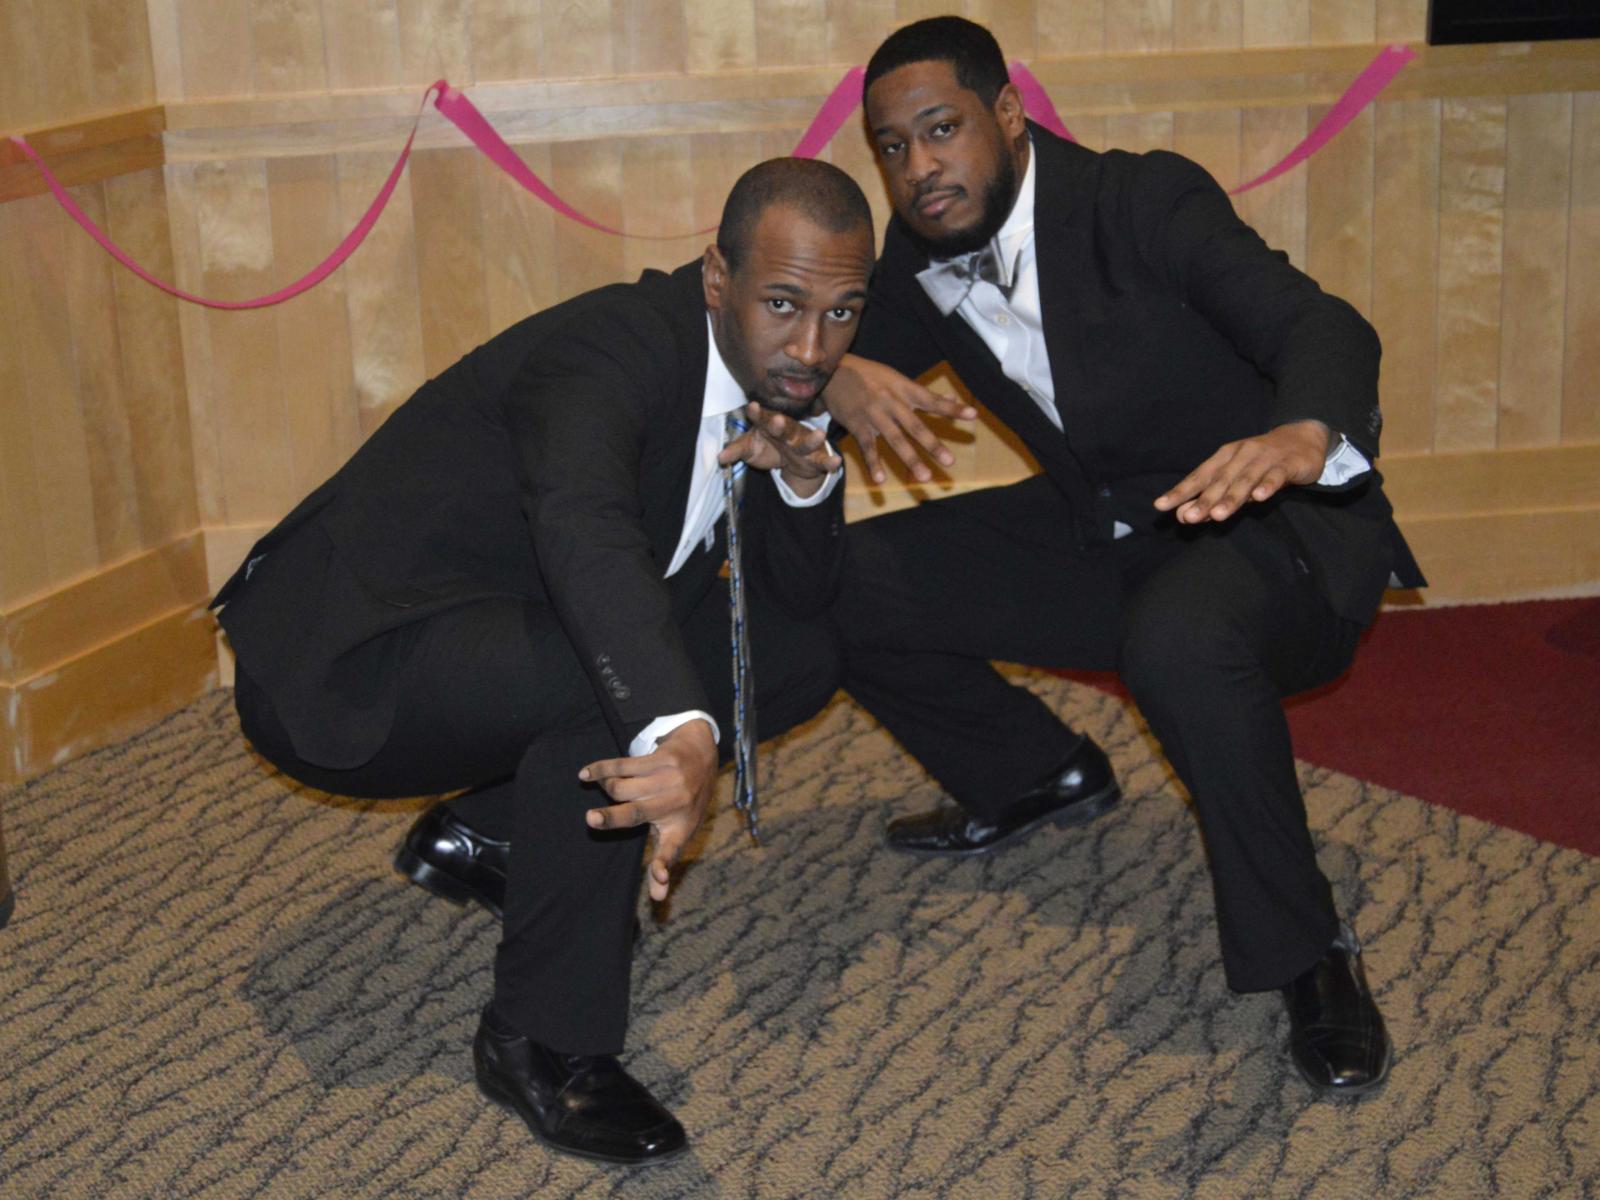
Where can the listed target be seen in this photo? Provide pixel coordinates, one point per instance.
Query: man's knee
(795, 685)
(1172, 648)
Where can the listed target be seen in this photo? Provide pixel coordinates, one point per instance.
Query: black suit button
(621, 691)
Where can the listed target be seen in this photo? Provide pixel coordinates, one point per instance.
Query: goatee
(998, 199)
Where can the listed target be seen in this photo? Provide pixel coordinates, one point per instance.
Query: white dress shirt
(1013, 326)
(723, 395)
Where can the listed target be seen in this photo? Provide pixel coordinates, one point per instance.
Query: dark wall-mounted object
(1455, 21)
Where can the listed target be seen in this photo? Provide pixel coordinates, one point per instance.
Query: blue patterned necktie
(734, 479)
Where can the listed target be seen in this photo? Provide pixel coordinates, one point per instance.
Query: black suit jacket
(1171, 329)
(551, 464)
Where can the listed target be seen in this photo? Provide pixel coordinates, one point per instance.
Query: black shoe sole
(441, 884)
(1327, 1092)
(1079, 813)
(500, 1099)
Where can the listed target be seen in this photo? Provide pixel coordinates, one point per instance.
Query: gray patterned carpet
(214, 986)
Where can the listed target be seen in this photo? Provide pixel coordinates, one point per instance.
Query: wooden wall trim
(105, 695)
(73, 621)
(85, 151)
(755, 100)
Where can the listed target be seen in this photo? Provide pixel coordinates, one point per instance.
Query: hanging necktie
(734, 480)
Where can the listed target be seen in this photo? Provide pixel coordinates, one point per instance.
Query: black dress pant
(1209, 629)
(493, 698)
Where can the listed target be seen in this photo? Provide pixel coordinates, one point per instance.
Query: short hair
(819, 191)
(968, 47)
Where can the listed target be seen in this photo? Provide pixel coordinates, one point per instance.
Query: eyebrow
(915, 117)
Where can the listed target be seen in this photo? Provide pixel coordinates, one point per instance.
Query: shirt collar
(723, 394)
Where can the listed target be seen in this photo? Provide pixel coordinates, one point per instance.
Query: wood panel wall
(144, 443)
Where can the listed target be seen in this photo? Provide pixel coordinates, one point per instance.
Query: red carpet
(1491, 710)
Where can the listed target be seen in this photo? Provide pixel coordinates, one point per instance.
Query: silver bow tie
(948, 281)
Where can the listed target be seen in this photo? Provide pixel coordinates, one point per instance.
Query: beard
(998, 198)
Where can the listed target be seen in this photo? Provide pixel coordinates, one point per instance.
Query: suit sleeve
(891, 332)
(1320, 353)
(582, 414)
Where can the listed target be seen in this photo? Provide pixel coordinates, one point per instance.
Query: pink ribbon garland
(835, 111)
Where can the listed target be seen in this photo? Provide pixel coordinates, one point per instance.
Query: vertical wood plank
(24, 567)
(315, 377)
(64, 478)
(235, 244)
(214, 40)
(1532, 328)
(589, 176)
(520, 241)
(288, 40)
(166, 48)
(1212, 140)
(1402, 20)
(650, 36)
(1405, 258)
(1339, 186)
(507, 39)
(121, 74)
(1339, 22)
(1580, 393)
(435, 40)
(1275, 22)
(1207, 24)
(51, 53)
(1472, 180)
(791, 33)
(450, 249)
(97, 354)
(856, 27)
(1138, 26)
(200, 369)
(1071, 27)
(381, 292)
(153, 378)
(658, 198)
(1014, 23)
(1277, 209)
(721, 35)
(363, 43)
(577, 40)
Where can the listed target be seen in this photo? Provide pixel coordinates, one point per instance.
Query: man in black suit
(1207, 522)
(513, 587)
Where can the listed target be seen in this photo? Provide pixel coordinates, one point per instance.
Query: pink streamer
(830, 118)
(1036, 102)
(1363, 90)
(310, 280)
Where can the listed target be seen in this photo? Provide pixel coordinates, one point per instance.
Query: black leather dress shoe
(453, 860)
(583, 1104)
(1337, 1037)
(1076, 792)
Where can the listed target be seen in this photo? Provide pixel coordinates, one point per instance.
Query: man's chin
(790, 406)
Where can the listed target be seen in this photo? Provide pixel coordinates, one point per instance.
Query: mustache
(927, 189)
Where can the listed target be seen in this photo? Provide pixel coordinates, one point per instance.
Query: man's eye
(779, 305)
(842, 315)
(890, 149)
(944, 129)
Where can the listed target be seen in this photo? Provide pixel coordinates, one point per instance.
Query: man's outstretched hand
(873, 401)
(1250, 470)
(776, 442)
(669, 788)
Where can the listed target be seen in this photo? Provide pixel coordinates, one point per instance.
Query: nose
(920, 163)
(806, 345)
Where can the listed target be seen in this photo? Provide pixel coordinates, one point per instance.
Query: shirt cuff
(790, 496)
(1344, 463)
(648, 739)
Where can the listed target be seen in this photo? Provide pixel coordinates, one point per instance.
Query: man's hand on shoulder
(1253, 469)
(776, 442)
(670, 789)
(873, 401)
